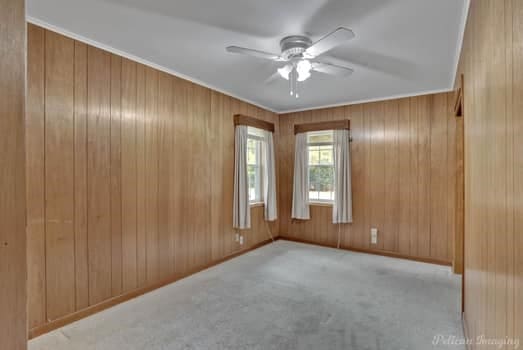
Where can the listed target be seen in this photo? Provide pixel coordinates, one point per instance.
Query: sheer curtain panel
(342, 209)
(269, 198)
(300, 192)
(241, 209)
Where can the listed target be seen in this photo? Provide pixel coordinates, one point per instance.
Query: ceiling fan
(302, 56)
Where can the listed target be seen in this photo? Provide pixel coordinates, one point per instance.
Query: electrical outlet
(374, 235)
(241, 240)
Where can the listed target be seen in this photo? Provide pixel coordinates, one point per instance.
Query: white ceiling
(402, 47)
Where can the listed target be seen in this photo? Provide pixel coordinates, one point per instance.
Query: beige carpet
(282, 296)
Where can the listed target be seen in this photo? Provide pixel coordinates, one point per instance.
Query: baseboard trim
(78, 315)
(371, 251)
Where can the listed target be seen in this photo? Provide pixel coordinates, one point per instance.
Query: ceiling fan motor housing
(294, 46)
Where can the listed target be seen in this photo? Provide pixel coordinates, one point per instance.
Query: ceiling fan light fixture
(301, 55)
(285, 71)
(304, 70)
(303, 76)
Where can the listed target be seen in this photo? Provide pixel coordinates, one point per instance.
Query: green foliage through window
(254, 164)
(321, 166)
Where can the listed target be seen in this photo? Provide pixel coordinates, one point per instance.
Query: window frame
(258, 188)
(320, 202)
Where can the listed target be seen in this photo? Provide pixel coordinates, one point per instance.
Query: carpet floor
(284, 295)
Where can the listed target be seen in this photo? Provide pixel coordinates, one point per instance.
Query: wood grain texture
(165, 225)
(423, 133)
(35, 149)
(456, 182)
(35, 332)
(151, 174)
(129, 176)
(116, 175)
(392, 172)
(141, 231)
(13, 262)
(405, 178)
(99, 174)
(401, 170)
(439, 179)
(491, 63)
(59, 175)
(80, 176)
(144, 161)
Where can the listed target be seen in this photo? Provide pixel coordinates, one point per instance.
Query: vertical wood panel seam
(144, 147)
(513, 161)
(74, 176)
(397, 175)
(45, 164)
(146, 125)
(506, 140)
(158, 142)
(145, 199)
(513, 185)
(137, 179)
(200, 107)
(447, 172)
(111, 233)
(87, 174)
(431, 119)
(384, 123)
(120, 190)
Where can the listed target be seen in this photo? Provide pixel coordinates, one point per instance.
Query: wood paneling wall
(130, 177)
(492, 64)
(13, 266)
(403, 165)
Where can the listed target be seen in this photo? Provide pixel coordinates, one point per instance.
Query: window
(321, 166)
(255, 140)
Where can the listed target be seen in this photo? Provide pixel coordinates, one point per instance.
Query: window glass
(255, 142)
(321, 166)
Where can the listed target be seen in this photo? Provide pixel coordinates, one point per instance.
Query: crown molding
(80, 38)
(137, 59)
(377, 99)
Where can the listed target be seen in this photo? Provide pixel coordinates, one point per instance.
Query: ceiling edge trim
(459, 44)
(137, 59)
(377, 99)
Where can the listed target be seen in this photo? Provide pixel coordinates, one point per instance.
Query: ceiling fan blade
(328, 42)
(376, 62)
(274, 77)
(332, 69)
(254, 53)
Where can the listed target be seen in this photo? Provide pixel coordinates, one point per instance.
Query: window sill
(321, 204)
(257, 204)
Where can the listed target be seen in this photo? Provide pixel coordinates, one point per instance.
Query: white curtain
(241, 209)
(300, 193)
(342, 209)
(269, 183)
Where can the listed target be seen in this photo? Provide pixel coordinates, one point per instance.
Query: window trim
(317, 203)
(240, 119)
(322, 126)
